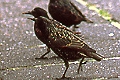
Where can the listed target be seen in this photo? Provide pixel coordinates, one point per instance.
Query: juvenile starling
(36, 12)
(65, 43)
(66, 12)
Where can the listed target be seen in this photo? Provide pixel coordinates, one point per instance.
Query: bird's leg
(73, 29)
(80, 65)
(48, 50)
(75, 26)
(42, 57)
(63, 77)
(66, 65)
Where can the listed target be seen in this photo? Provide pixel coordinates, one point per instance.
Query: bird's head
(36, 12)
(52, 1)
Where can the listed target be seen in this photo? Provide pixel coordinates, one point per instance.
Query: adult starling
(65, 43)
(66, 12)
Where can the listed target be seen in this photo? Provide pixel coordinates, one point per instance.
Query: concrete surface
(19, 46)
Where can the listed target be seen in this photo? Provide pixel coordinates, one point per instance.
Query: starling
(64, 42)
(66, 12)
(36, 12)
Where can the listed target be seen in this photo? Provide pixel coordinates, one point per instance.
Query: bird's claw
(41, 58)
(64, 78)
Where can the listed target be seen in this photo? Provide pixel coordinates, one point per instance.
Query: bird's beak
(29, 12)
(33, 19)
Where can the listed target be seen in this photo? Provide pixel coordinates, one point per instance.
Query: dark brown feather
(65, 43)
(66, 12)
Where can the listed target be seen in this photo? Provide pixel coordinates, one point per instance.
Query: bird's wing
(84, 49)
(79, 45)
(60, 37)
(66, 38)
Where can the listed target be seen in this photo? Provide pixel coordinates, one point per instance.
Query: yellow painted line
(40, 46)
(116, 24)
(100, 12)
(53, 64)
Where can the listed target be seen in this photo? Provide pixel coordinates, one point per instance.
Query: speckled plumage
(36, 12)
(65, 43)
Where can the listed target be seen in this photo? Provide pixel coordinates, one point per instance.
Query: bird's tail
(95, 56)
(88, 21)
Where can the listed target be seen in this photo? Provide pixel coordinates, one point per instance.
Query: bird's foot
(41, 58)
(53, 57)
(81, 69)
(76, 26)
(85, 62)
(81, 66)
(64, 78)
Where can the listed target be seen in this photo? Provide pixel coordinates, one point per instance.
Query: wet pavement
(19, 46)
